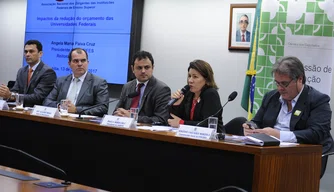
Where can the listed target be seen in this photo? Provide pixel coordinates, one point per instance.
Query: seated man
(295, 112)
(81, 88)
(35, 80)
(152, 95)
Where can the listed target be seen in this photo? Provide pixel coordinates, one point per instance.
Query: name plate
(45, 111)
(115, 121)
(193, 132)
(3, 105)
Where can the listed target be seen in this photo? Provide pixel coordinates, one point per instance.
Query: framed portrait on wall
(241, 26)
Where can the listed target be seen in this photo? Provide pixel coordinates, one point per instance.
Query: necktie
(243, 38)
(74, 89)
(29, 75)
(135, 100)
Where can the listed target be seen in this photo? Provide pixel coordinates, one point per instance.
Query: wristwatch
(12, 97)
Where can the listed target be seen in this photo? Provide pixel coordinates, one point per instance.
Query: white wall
(12, 21)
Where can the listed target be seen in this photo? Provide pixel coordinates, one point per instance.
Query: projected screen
(101, 27)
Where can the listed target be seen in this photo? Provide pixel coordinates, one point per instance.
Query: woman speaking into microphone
(201, 101)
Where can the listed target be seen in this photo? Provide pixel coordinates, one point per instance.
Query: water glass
(19, 99)
(134, 115)
(63, 107)
(213, 124)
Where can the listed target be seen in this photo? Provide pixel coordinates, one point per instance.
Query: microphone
(231, 97)
(91, 107)
(184, 90)
(65, 182)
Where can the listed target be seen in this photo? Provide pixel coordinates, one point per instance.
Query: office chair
(324, 162)
(234, 126)
(230, 189)
(10, 84)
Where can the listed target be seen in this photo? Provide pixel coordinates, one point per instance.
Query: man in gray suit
(35, 80)
(152, 95)
(82, 89)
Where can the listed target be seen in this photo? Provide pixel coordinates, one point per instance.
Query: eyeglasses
(284, 84)
(243, 21)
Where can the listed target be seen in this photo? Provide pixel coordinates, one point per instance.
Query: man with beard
(153, 95)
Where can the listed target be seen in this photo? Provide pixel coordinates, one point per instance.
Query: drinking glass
(19, 99)
(213, 124)
(134, 115)
(63, 107)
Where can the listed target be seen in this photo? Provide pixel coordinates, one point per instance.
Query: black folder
(261, 139)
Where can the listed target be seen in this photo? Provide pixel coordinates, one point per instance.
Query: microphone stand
(65, 182)
(199, 123)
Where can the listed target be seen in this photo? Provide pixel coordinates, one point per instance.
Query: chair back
(234, 126)
(10, 84)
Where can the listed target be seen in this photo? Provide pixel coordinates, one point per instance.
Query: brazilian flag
(249, 86)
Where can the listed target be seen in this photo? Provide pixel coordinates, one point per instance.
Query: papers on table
(286, 144)
(83, 116)
(234, 138)
(156, 128)
(241, 139)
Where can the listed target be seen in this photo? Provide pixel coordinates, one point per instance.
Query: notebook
(261, 139)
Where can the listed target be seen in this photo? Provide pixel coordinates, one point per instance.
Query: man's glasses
(243, 21)
(284, 84)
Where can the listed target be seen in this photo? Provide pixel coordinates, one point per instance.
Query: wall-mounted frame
(241, 26)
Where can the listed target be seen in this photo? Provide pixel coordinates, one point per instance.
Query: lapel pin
(297, 113)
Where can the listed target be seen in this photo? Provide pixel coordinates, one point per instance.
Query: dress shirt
(283, 120)
(79, 85)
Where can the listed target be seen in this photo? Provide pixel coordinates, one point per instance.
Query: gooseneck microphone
(91, 107)
(184, 90)
(231, 97)
(65, 182)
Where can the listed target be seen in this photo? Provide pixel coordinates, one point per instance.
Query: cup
(213, 124)
(134, 115)
(63, 107)
(19, 99)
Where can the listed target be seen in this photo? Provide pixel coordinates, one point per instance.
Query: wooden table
(8, 184)
(134, 160)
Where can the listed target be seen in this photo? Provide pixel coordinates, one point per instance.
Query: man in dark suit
(295, 112)
(81, 88)
(34, 81)
(242, 35)
(153, 95)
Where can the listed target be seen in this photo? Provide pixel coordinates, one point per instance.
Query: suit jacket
(238, 36)
(311, 126)
(41, 83)
(153, 104)
(94, 90)
(208, 105)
